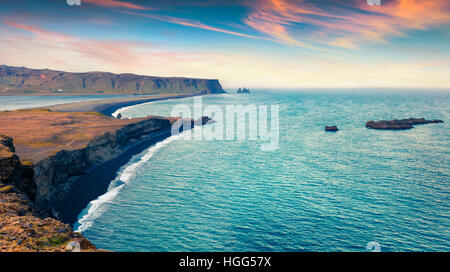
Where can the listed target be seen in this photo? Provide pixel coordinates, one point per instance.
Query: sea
(356, 189)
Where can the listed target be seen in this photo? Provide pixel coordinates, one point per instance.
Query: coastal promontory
(43, 158)
(25, 81)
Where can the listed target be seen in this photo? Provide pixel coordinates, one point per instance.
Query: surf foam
(96, 207)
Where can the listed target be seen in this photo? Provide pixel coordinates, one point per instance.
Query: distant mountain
(22, 81)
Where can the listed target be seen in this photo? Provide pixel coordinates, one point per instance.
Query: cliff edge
(22, 228)
(51, 153)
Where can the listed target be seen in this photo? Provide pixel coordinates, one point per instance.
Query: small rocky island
(331, 128)
(400, 124)
(243, 90)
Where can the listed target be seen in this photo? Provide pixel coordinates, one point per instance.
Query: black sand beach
(109, 106)
(97, 180)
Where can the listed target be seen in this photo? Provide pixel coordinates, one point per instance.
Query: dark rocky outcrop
(55, 175)
(243, 90)
(28, 192)
(331, 128)
(52, 177)
(399, 124)
(21, 80)
(22, 228)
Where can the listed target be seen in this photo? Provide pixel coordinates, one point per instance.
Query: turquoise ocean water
(318, 191)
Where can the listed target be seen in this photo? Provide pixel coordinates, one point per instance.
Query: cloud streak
(30, 45)
(348, 24)
(191, 23)
(115, 4)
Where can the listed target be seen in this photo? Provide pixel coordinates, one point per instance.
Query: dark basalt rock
(243, 90)
(22, 228)
(331, 128)
(399, 124)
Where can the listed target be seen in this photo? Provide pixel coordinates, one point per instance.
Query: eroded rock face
(21, 227)
(27, 192)
(12, 172)
(9, 162)
(55, 175)
(399, 124)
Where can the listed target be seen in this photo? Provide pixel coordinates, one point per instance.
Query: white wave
(96, 207)
(121, 110)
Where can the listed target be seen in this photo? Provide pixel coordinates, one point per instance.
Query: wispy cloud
(348, 24)
(32, 45)
(191, 23)
(115, 4)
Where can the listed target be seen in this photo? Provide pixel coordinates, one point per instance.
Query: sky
(252, 43)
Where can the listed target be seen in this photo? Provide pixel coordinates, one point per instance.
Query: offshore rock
(400, 124)
(331, 128)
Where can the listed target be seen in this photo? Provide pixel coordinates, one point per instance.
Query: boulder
(331, 128)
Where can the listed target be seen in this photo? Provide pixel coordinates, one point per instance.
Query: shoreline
(97, 180)
(110, 105)
(62, 185)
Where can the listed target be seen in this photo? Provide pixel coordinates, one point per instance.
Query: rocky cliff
(22, 228)
(21, 80)
(55, 175)
(28, 191)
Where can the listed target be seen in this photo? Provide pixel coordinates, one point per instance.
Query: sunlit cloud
(20, 42)
(345, 25)
(191, 23)
(115, 4)
(39, 42)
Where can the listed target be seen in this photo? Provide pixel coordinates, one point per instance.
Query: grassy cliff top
(39, 133)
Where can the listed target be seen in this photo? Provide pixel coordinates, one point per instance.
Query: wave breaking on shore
(96, 207)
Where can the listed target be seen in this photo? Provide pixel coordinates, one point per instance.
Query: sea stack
(243, 90)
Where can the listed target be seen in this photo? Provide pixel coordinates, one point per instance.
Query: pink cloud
(191, 23)
(31, 45)
(115, 4)
(340, 25)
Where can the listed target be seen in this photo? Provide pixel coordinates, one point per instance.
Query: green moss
(57, 240)
(53, 241)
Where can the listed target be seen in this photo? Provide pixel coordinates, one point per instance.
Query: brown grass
(39, 133)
